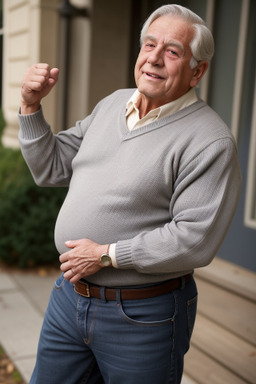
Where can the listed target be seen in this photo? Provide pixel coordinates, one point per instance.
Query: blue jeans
(94, 341)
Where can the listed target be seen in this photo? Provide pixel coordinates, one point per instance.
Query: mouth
(153, 75)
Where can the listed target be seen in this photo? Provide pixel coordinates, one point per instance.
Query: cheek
(137, 70)
(178, 75)
(141, 60)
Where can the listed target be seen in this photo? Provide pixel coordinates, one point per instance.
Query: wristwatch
(106, 260)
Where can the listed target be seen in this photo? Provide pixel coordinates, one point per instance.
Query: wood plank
(187, 380)
(229, 350)
(204, 370)
(227, 309)
(231, 277)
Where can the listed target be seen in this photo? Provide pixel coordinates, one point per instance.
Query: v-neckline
(127, 134)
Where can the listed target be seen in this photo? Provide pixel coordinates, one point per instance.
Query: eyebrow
(169, 43)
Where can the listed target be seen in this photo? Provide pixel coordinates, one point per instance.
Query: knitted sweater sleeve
(204, 200)
(49, 156)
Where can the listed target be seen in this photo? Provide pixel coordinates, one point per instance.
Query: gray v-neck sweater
(165, 193)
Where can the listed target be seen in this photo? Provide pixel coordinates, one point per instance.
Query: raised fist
(38, 81)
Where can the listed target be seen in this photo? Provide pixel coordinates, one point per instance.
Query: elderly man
(154, 181)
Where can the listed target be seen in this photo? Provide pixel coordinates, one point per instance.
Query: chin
(150, 94)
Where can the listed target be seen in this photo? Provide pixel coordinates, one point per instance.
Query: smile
(153, 75)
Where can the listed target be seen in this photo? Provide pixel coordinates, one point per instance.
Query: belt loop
(182, 282)
(102, 294)
(118, 296)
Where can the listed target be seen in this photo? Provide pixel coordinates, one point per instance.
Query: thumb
(71, 243)
(54, 74)
(53, 78)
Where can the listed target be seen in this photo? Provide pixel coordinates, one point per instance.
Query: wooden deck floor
(223, 345)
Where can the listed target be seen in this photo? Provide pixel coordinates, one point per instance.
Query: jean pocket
(59, 282)
(149, 312)
(191, 314)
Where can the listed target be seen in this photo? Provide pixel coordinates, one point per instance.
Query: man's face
(162, 71)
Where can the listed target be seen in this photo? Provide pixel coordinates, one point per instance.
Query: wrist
(27, 109)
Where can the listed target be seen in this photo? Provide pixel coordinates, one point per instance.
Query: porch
(223, 346)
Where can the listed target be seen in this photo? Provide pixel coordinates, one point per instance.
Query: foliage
(8, 372)
(2, 124)
(27, 214)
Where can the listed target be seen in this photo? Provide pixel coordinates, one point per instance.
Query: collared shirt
(134, 122)
(132, 111)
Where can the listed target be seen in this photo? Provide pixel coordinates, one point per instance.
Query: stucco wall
(30, 35)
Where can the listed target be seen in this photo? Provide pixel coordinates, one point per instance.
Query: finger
(72, 276)
(68, 274)
(74, 279)
(39, 76)
(40, 69)
(41, 66)
(52, 80)
(74, 243)
(65, 266)
(36, 83)
(64, 257)
(69, 244)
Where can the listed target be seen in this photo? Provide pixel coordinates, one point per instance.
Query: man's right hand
(38, 81)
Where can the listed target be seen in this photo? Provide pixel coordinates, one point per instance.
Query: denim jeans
(94, 341)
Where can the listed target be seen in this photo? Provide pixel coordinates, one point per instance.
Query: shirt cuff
(112, 254)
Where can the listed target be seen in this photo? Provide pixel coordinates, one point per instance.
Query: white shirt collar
(132, 111)
(167, 109)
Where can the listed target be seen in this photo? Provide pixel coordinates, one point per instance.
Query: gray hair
(202, 45)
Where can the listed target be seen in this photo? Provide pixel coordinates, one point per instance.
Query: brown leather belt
(89, 290)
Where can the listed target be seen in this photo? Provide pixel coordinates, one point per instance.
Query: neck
(145, 106)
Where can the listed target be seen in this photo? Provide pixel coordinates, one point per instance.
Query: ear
(198, 72)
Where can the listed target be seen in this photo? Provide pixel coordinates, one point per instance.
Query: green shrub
(27, 214)
(2, 125)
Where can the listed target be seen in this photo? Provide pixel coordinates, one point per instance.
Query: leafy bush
(2, 124)
(27, 214)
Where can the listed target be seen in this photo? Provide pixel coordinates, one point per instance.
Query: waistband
(89, 290)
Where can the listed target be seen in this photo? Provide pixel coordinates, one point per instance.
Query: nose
(155, 57)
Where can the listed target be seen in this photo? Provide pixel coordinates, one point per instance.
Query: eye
(149, 45)
(172, 52)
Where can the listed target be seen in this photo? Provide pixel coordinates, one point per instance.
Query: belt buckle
(87, 290)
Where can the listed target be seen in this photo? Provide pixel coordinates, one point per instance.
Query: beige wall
(110, 48)
(30, 35)
(78, 71)
(98, 56)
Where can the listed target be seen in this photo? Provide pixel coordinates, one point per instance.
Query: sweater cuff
(124, 254)
(33, 125)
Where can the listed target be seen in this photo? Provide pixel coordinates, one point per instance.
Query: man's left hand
(82, 260)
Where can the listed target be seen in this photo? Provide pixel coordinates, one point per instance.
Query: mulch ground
(8, 372)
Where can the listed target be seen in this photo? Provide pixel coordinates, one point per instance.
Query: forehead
(169, 27)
